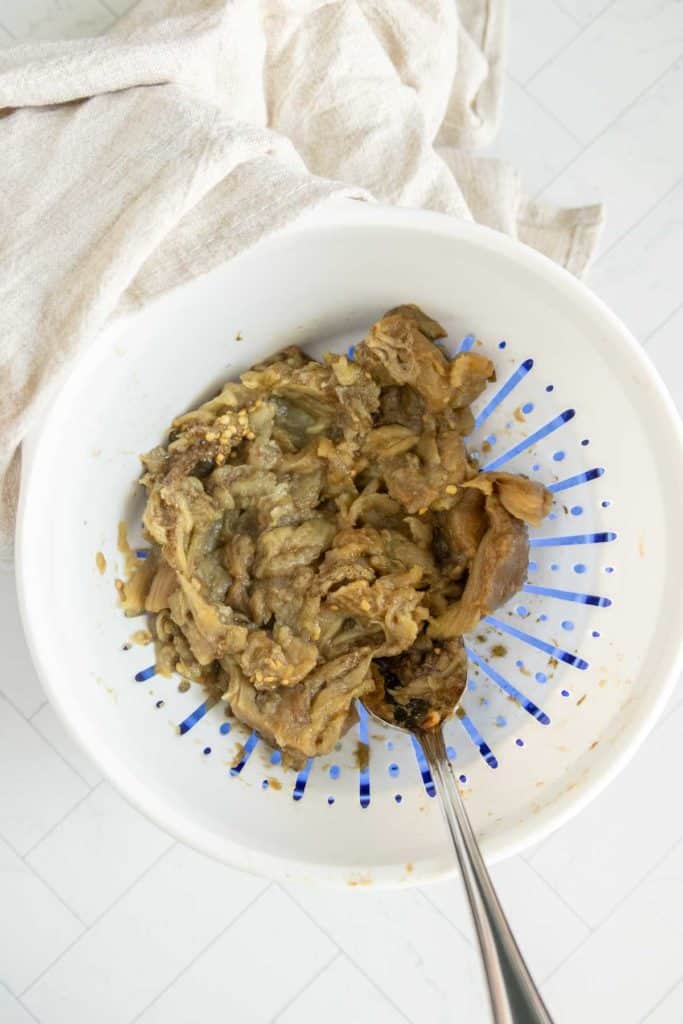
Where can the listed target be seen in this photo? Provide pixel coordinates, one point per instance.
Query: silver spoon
(513, 994)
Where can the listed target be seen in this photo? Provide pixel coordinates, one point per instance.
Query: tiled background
(103, 918)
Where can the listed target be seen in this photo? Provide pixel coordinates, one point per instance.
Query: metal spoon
(513, 994)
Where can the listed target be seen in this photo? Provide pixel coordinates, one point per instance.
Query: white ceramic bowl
(321, 283)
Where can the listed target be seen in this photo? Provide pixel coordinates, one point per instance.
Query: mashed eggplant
(320, 534)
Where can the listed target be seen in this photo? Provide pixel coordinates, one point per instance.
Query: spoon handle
(514, 996)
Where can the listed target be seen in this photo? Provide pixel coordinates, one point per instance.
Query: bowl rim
(350, 213)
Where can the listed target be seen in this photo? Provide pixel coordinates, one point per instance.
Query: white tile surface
(341, 995)
(593, 111)
(105, 833)
(606, 979)
(620, 54)
(11, 1010)
(37, 788)
(273, 950)
(51, 729)
(132, 953)
(35, 926)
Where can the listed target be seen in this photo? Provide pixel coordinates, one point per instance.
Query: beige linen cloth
(131, 162)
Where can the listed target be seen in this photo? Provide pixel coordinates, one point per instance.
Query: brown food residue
(498, 651)
(184, 685)
(141, 637)
(274, 783)
(641, 547)
(581, 700)
(130, 562)
(594, 744)
(238, 755)
(361, 756)
(101, 563)
(519, 415)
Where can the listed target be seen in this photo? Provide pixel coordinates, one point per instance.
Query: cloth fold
(142, 158)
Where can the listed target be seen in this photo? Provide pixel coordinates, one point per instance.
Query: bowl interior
(563, 681)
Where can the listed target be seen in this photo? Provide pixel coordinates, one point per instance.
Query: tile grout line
(660, 199)
(603, 131)
(647, 338)
(91, 786)
(99, 917)
(643, 1019)
(551, 888)
(467, 938)
(563, 49)
(61, 820)
(25, 1008)
(333, 959)
(630, 892)
(204, 949)
(551, 113)
(352, 960)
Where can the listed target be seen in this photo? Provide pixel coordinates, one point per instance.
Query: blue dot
(484, 702)
(335, 771)
(565, 693)
(595, 633)
(471, 685)
(264, 784)
(558, 456)
(609, 568)
(159, 704)
(550, 387)
(394, 771)
(351, 351)
(554, 567)
(580, 568)
(528, 407)
(390, 744)
(501, 720)
(275, 757)
(535, 468)
(552, 515)
(543, 617)
(502, 344)
(451, 753)
(522, 611)
(520, 743)
(541, 677)
(491, 439)
(585, 442)
(206, 750)
(568, 625)
(398, 798)
(330, 800)
(533, 566)
(576, 510)
(463, 778)
(519, 664)
(225, 728)
(605, 504)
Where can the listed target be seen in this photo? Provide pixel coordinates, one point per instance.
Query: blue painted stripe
(533, 641)
(363, 773)
(142, 553)
(193, 718)
(510, 384)
(477, 738)
(301, 780)
(351, 352)
(427, 779)
(574, 481)
(145, 673)
(568, 595)
(466, 343)
(578, 538)
(246, 754)
(549, 428)
(507, 687)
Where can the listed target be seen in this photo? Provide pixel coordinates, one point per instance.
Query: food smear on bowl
(320, 534)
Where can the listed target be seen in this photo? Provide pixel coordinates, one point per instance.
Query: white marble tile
(251, 970)
(640, 278)
(597, 859)
(629, 167)
(18, 680)
(536, 33)
(668, 1010)
(97, 852)
(55, 19)
(11, 1010)
(51, 729)
(530, 139)
(119, 7)
(546, 929)
(415, 956)
(139, 946)
(35, 926)
(583, 11)
(665, 349)
(341, 995)
(5, 38)
(635, 956)
(622, 52)
(37, 788)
